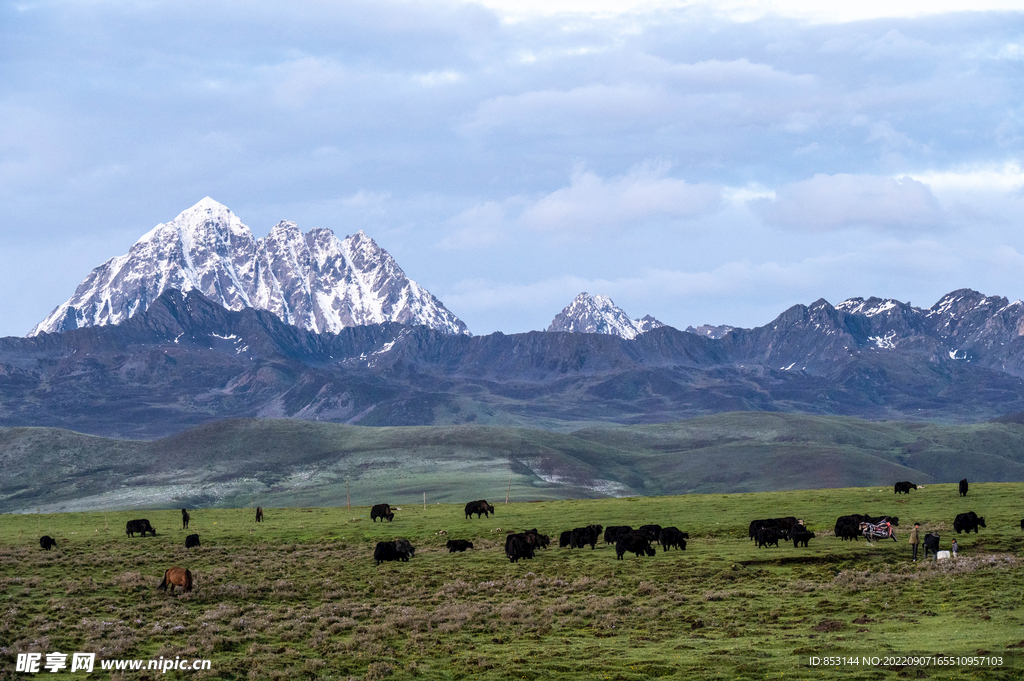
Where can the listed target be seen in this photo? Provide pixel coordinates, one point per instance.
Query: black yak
(142, 526)
(381, 511)
(480, 507)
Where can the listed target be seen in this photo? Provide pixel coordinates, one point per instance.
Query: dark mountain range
(186, 361)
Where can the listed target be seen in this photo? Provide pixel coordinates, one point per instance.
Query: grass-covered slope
(299, 596)
(286, 462)
(759, 451)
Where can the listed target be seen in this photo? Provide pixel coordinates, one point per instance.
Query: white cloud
(831, 202)
(649, 94)
(747, 10)
(1005, 178)
(297, 82)
(591, 203)
(481, 225)
(436, 78)
(365, 199)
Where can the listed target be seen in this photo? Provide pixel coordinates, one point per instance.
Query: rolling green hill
(286, 462)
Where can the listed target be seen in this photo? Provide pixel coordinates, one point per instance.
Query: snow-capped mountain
(313, 280)
(598, 314)
(710, 330)
(962, 320)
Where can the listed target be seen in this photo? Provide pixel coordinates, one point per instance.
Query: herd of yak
(524, 544)
(765, 532)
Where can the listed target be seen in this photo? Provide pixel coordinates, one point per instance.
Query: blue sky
(700, 162)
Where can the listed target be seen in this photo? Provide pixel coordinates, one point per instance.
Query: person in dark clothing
(915, 538)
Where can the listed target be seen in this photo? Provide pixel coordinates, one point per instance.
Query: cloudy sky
(701, 162)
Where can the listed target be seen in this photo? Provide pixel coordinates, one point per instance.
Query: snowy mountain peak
(868, 307)
(312, 280)
(206, 203)
(710, 330)
(599, 314)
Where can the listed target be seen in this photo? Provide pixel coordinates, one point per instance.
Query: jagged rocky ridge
(187, 361)
(314, 280)
(598, 314)
(710, 330)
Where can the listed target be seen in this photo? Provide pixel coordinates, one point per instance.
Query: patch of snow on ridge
(886, 342)
(944, 305)
(869, 308)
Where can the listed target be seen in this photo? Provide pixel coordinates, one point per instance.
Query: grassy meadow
(299, 596)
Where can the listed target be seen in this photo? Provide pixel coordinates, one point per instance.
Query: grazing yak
(381, 511)
(479, 507)
(142, 526)
(782, 524)
(459, 545)
(565, 539)
(801, 537)
(399, 549)
(796, 529)
(963, 487)
(635, 542)
(652, 531)
(848, 526)
(46, 542)
(405, 546)
(176, 576)
(1022, 524)
(931, 543)
(259, 514)
(671, 536)
(903, 487)
(965, 522)
(766, 536)
(611, 534)
(517, 546)
(536, 539)
(191, 541)
(184, 519)
(581, 536)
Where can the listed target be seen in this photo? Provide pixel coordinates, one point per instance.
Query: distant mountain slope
(598, 314)
(313, 280)
(187, 361)
(273, 462)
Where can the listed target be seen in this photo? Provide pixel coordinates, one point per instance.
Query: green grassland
(299, 596)
(288, 462)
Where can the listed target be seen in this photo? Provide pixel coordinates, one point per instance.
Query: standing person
(915, 538)
(955, 548)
